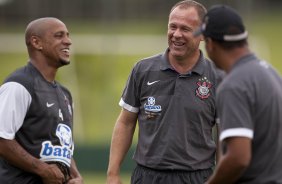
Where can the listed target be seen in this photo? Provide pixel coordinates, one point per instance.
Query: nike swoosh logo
(49, 105)
(150, 83)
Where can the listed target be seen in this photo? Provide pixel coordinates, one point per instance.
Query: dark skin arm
(234, 162)
(76, 178)
(14, 153)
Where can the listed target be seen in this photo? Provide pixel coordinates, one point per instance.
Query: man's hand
(78, 180)
(114, 179)
(75, 177)
(52, 175)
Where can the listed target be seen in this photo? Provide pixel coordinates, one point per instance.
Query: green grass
(100, 178)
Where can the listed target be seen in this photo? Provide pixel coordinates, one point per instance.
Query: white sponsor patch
(62, 152)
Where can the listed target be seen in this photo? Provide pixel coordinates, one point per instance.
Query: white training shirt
(14, 103)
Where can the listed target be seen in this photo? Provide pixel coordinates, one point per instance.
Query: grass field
(100, 178)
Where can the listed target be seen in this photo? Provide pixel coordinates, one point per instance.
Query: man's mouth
(178, 44)
(66, 51)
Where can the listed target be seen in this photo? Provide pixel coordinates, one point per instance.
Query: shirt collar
(244, 59)
(198, 68)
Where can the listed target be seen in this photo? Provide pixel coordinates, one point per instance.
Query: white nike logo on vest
(150, 83)
(49, 105)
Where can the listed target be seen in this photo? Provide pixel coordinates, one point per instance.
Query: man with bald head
(36, 112)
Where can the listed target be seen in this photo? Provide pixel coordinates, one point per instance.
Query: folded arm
(17, 156)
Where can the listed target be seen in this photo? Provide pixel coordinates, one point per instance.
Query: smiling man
(172, 97)
(36, 113)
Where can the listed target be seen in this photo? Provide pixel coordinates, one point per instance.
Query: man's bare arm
(121, 142)
(234, 162)
(14, 153)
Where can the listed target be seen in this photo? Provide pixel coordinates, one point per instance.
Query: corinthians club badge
(203, 90)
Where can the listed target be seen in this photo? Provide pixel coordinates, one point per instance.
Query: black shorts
(144, 175)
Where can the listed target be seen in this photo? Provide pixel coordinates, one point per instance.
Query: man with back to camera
(172, 96)
(36, 114)
(249, 104)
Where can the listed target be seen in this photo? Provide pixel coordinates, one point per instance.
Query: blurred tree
(13, 11)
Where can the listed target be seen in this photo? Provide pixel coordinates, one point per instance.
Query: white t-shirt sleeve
(14, 103)
(236, 132)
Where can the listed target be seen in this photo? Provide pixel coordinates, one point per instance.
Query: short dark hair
(190, 3)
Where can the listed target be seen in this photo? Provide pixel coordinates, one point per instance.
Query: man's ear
(35, 41)
(209, 44)
(202, 37)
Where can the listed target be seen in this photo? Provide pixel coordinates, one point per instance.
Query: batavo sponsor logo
(60, 153)
(155, 108)
(151, 107)
(50, 152)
